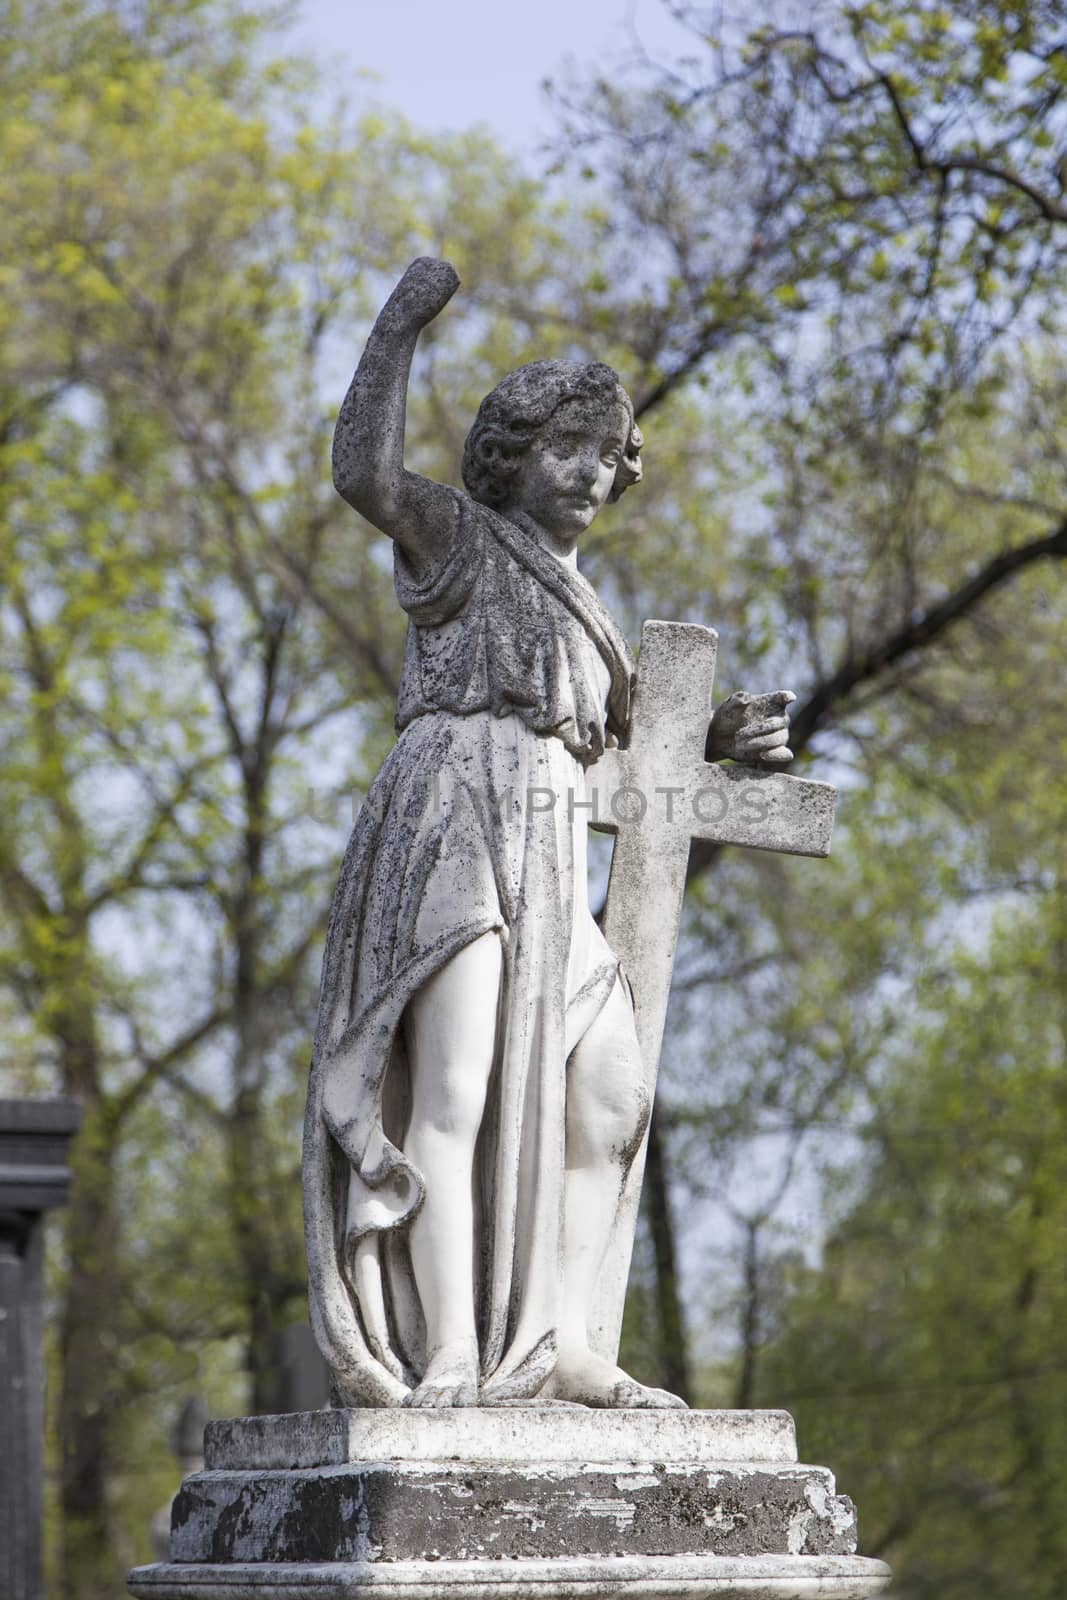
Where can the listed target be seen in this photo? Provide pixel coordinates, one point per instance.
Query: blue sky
(450, 63)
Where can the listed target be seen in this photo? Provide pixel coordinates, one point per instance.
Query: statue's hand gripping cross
(656, 796)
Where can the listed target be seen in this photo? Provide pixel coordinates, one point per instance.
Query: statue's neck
(564, 550)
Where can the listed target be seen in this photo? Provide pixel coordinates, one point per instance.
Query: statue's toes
(634, 1396)
(666, 1401)
(439, 1396)
(425, 1397)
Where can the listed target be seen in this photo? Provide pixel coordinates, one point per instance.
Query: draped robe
(514, 679)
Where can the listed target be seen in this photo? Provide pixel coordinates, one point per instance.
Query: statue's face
(568, 471)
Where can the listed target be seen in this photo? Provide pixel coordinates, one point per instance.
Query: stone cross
(656, 796)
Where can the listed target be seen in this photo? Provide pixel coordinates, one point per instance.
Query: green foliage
(825, 263)
(823, 171)
(848, 220)
(922, 1357)
(198, 653)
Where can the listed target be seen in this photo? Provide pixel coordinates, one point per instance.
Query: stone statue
(484, 1064)
(480, 1091)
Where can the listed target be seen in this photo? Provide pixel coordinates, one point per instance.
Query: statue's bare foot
(580, 1375)
(450, 1379)
(629, 1395)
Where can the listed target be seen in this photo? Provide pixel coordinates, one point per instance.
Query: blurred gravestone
(34, 1177)
(188, 1442)
(305, 1377)
(304, 1385)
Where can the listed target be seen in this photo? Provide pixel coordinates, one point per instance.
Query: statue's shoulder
(433, 591)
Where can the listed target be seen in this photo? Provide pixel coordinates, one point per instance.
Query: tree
(855, 416)
(924, 1354)
(197, 650)
(845, 231)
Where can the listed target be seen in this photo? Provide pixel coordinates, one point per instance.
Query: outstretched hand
(752, 729)
(422, 293)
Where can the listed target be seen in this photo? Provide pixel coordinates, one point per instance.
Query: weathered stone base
(510, 1502)
(562, 1578)
(440, 1511)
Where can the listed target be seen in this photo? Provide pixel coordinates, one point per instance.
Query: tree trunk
(266, 1289)
(270, 1273)
(750, 1321)
(87, 1387)
(674, 1350)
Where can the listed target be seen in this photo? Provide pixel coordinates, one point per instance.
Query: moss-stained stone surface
(524, 1503)
(444, 1511)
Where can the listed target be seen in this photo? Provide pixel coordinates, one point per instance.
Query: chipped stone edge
(558, 1578)
(312, 1439)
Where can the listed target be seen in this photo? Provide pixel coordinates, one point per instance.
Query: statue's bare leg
(607, 1111)
(450, 1032)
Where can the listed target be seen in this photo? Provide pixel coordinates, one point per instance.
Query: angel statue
(477, 1096)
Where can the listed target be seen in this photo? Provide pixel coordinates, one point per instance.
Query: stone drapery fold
(474, 825)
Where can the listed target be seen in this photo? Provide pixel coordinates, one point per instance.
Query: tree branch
(830, 696)
(1052, 210)
(919, 632)
(159, 1067)
(206, 628)
(337, 615)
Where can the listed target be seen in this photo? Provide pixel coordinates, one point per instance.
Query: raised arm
(368, 442)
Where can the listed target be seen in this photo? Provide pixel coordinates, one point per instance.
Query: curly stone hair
(512, 414)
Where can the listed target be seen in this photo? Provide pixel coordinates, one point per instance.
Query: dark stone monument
(305, 1377)
(188, 1442)
(34, 1177)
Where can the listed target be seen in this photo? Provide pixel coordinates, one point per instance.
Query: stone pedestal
(510, 1502)
(34, 1177)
